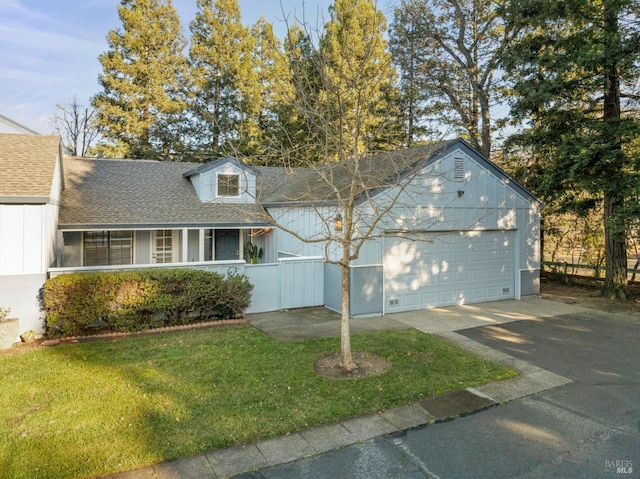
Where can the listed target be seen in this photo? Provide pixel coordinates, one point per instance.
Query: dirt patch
(589, 296)
(368, 365)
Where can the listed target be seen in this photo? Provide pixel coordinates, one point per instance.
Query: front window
(228, 185)
(102, 248)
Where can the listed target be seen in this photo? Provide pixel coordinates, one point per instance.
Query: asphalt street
(589, 428)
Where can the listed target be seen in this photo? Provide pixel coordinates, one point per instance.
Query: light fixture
(337, 223)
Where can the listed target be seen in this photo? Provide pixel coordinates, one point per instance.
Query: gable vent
(458, 169)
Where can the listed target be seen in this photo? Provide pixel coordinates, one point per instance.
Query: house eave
(296, 204)
(159, 226)
(218, 162)
(27, 200)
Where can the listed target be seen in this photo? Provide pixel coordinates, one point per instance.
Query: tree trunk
(615, 282)
(485, 134)
(346, 358)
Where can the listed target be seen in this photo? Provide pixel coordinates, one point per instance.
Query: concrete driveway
(588, 427)
(308, 323)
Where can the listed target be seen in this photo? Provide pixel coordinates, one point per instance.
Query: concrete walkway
(318, 322)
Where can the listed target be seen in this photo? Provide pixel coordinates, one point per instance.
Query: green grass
(93, 408)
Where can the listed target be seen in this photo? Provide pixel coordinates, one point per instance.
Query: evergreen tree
(299, 111)
(570, 65)
(143, 72)
(408, 47)
(226, 96)
(357, 81)
(275, 92)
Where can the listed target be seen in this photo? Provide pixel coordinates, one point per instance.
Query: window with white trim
(228, 185)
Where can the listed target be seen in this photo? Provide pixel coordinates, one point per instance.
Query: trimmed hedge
(81, 303)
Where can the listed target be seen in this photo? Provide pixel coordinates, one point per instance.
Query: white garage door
(448, 268)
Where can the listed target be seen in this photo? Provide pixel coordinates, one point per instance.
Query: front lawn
(82, 410)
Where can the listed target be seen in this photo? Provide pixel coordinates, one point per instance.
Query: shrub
(79, 303)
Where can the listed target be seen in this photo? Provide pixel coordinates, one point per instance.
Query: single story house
(435, 226)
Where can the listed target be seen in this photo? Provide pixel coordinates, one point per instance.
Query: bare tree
(340, 89)
(355, 202)
(356, 193)
(76, 126)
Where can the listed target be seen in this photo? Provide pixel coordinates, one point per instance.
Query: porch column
(201, 244)
(185, 245)
(59, 248)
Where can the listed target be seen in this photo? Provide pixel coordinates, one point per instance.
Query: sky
(49, 49)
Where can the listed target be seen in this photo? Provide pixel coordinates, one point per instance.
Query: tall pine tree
(357, 81)
(570, 66)
(226, 95)
(143, 73)
(409, 49)
(300, 115)
(275, 90)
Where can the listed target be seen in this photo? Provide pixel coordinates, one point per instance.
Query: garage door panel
(429, 298)
(477, 294)
(492, 293)
(505, 254)
(448, 269)
(491, 273)
(506, 273)
(445, 297)
(462, 276)
(413, 300)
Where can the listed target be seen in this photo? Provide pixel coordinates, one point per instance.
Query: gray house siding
(367, 290)
(332, 287)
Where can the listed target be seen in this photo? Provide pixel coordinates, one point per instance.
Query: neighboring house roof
(27, 168)
(112, 194)
(14, 126)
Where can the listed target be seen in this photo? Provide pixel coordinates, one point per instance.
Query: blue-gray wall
(332, 287)
(530, 282)
(367, 290)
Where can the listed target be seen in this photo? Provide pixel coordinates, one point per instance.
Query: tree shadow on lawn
(124, 404)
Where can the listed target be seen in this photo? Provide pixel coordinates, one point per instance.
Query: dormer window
(228, 185)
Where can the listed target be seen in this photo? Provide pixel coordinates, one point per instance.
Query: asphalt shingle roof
(27, 165)
(103, 193)
(326, 182)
